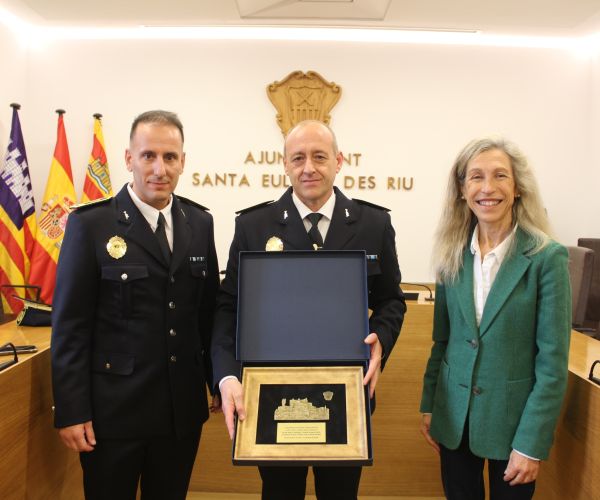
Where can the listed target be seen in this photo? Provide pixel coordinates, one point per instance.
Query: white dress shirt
(486, 269)
(326, 211)
(151, 214)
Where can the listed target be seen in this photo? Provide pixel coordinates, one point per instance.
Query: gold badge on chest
(274, 244)
(116, 247)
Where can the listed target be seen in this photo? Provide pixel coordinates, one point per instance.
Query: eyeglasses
(9, 347)
(596, 380)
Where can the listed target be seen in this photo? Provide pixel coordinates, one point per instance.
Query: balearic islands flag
(58, 199)
(97, 178)
(17, 218)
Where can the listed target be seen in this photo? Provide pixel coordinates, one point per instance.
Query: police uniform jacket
(508, 375)
(131, 332)
(354, 226)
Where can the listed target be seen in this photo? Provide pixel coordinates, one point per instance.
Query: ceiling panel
(373, 10)
(537, 17)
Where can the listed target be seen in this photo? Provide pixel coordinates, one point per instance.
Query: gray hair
(457, 220)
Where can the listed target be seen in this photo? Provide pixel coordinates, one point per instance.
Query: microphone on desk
(415, 296)
(5, 350)
(13, 352)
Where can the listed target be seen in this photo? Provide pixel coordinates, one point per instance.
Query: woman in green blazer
(497, 374)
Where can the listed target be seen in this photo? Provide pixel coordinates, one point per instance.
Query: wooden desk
(34, 464)
(573, 469)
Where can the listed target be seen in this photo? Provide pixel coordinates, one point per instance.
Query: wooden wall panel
(34, 464)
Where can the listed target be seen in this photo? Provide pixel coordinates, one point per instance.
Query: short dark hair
(157, 116)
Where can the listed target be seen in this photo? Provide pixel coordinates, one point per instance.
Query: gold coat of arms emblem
(303, 96)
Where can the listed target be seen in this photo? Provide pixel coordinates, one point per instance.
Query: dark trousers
(462, 476)
(161, 466)
(289, 483)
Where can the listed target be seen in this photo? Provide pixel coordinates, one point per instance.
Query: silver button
(124, 276)
(171, 305)
(107, 366)
(172, 279)
(172, 332)
(173, 358)
(204, 274)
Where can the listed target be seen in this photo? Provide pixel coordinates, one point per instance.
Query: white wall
(407, 109)
(13, 64)
(590, 223)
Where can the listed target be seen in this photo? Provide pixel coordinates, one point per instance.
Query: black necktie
(313, 232)
(161, 235)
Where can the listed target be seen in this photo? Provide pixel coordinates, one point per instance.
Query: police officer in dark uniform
(311, 214)
(132, 315)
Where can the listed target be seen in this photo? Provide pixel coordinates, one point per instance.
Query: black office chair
(592, 313)
(581, 263)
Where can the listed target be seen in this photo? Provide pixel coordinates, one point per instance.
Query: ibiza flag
(56, 206)
(97, 178)
(17, 218)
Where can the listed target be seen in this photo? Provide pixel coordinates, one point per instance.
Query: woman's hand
(520, 469)
(425, 425)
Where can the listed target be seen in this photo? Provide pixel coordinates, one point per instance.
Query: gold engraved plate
(116, 247)
(305, 432)
(274, 244)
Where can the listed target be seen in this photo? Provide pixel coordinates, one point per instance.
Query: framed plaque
(303, 415)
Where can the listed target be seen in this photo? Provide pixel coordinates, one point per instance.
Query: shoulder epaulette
(253, 207)
(369, 204)
(193, 203)
(90, 203)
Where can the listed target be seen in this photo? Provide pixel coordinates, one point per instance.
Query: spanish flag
(58, 199)
(97, 178)
(17, 218)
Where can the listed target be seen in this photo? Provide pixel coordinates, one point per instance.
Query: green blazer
(508, 375)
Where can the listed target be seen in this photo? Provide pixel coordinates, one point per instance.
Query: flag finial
(60, 112)
(15, 105)
(97, 115)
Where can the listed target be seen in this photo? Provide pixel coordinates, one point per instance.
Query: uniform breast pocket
(198, 272)
(198, 269)
(113, 363)
(373, 272)
(120, 284)
(373, 268)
